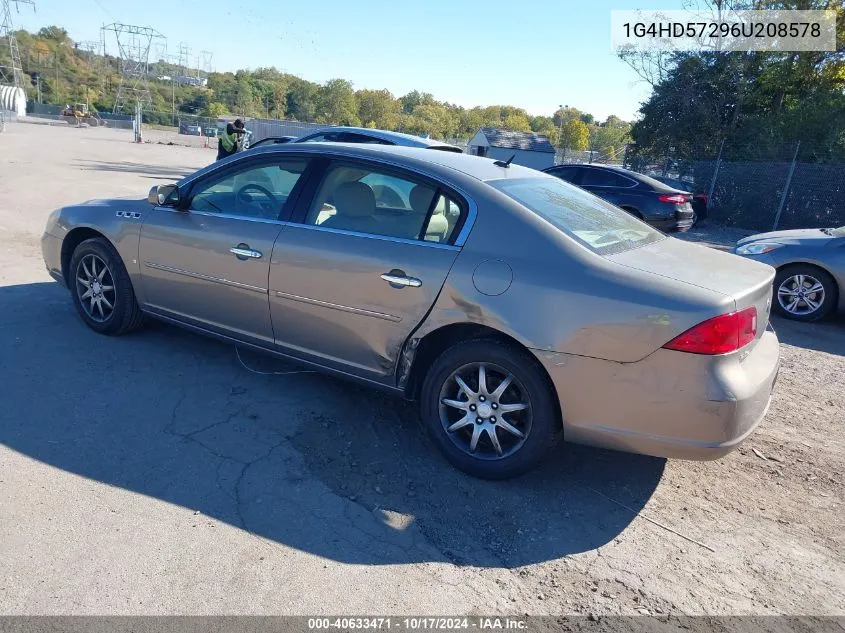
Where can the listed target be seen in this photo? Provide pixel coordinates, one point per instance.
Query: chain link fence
(781, 189)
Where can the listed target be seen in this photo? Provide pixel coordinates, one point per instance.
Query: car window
(369, 201)
(331, 137)
(605, 178)
(569, 174)
(598, 225)
(254, 191)
(350, 137)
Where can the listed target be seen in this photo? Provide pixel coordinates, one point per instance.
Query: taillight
(674, 198)
(719, 335)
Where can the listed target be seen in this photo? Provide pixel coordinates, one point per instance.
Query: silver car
(516, 308)
(810, 267)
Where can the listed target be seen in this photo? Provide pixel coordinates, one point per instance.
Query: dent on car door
(207, 262)
(357, 272)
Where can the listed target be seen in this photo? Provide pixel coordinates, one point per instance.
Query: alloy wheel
(485, 410)
(801, 294)
(95, 288)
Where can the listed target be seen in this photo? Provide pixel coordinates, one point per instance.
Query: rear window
(598, 225)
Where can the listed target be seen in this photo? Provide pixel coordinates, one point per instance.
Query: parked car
(378, 137)
(662, 206)
(513, 306)
(810, 264)
(699, 197)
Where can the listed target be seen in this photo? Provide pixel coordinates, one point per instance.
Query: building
(527, 148)
(13, 99)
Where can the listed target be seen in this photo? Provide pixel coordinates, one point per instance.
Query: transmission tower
(204, 64)
(133, 45)
(13, 74)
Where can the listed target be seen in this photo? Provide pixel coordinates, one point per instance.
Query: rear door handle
(397, 278)
(244, 252)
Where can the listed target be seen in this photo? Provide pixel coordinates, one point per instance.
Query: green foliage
(575, 135)
(759, 103)
(71, 75)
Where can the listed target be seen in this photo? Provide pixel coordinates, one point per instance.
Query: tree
(301, 100)
(612, 133)
(216, 109)
(413, 99)
(244, 100)
(336, 103)
(378, 109)
(433, 119)
(517, 123)
(55, 33)
(575, 135)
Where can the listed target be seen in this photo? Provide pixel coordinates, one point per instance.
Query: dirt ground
(156, 473)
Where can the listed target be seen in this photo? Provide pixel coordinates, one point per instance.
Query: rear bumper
(672, 225)
(51, 250)
(670, 404)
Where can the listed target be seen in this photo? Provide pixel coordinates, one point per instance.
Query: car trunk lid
(744, 281)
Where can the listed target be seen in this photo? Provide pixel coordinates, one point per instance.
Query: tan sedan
(518, 309)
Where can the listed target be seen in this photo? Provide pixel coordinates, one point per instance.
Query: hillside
(70, 74)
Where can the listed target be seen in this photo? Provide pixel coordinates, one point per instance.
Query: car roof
(439, 164)
(634, 175)
(406, 140)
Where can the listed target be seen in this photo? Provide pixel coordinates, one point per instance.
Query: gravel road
(157, 473)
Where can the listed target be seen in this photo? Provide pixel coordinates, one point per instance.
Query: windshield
(600, 226)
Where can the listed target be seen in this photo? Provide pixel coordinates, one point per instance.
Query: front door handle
(399, 279)
(244, 252)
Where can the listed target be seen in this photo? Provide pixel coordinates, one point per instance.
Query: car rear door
(353, 275)
(607, 185)
(207, 262)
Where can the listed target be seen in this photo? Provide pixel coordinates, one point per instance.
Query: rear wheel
(489, 409)
(102, 291)
(804, 292)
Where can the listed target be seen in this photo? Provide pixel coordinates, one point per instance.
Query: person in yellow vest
(228, 143)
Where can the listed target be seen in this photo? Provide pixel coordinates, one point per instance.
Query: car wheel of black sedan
(490, 409)
(804, 292)
(102, 291)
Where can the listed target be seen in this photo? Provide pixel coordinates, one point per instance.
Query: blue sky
(533, 54)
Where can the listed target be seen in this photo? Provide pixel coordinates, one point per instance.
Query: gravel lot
(155, 474)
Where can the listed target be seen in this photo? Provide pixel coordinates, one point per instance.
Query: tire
(113, 285)
(538, 422)
(788, 301)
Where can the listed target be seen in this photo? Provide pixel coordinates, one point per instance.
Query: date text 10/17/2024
(418, 623)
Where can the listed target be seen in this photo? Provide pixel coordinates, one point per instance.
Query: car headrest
(420, 198)
(354, 199)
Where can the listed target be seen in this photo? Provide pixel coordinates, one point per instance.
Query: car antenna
(501, 163)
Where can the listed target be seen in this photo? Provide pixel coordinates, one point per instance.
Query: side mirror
(164, 196)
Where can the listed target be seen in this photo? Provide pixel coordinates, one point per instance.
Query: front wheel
(490, 409)
(102, 291)
(804, 293)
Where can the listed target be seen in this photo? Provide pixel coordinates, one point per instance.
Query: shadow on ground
(150, 171)
(302, 459)
(823, 336)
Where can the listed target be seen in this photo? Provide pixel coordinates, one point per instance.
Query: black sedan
(662, 206)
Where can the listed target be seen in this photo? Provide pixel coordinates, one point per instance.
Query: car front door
(207, 260)
(357, 271)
